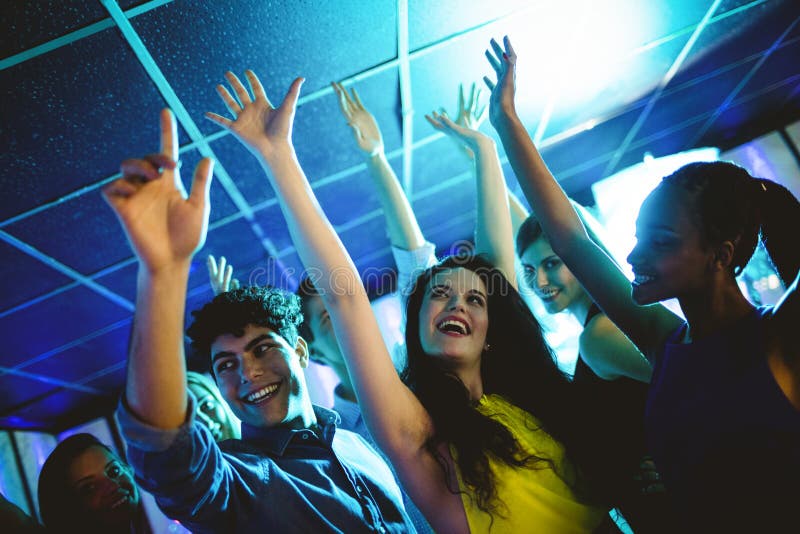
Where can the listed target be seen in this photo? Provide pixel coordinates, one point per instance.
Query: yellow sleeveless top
(534, 499)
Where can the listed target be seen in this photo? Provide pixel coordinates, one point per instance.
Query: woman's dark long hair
(519, 366)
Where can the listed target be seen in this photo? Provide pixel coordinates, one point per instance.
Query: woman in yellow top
(460, 435)
(504, 428)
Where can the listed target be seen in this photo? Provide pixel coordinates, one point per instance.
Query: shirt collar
(277, 439)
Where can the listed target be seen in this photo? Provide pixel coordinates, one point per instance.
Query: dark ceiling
(600, 84)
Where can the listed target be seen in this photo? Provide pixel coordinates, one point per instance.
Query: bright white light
(773, 282)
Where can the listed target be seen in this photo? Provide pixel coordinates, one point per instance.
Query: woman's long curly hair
(519, 366)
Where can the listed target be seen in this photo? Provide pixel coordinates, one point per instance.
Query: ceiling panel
(17, 389)
(595, 143)
(243, 169)
(429, 22)
(623, 85)
(194, 43)
(75, 119)
(23, 278)
(57, 321)
(692, 99)
(758, 111)
(235, 241)
(776, 69)
(75, 107)
(71, 233)
(61, 410)
(35, 23)
(322, 139)
(437, 162)
(363, 239)
(352, 196)
(737, 32)
(86, 359)
(663, 143)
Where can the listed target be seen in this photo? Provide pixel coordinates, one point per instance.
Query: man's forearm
(156, 384)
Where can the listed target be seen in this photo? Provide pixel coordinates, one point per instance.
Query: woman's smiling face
(549, 278)
(670, 258)
(454, 318)
(104, 486)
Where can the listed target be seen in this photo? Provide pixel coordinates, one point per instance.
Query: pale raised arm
(395, 417)
(493, 231)
(401, 223)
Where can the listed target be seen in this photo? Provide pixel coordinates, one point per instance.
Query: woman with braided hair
(723, 409)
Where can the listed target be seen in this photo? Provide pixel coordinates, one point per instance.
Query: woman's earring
(487, 347)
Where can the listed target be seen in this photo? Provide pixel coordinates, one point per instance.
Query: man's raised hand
(164, 225)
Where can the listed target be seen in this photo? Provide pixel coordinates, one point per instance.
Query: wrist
(175, 270)
(376, 155)
(276, 151)
(506, 120)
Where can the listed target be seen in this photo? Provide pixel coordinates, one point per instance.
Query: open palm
(259, 125)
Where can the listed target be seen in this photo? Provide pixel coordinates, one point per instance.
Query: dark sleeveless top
(619, 406)
(623, 398)
(725, 437)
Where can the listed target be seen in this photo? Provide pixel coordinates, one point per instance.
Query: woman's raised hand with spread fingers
(504, 61)
(266, 130)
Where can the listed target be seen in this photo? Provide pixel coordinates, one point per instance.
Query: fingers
(238, 88)
(117, 191)
(357, 98)
(290, 100)
(493, 62)
(256, 87)
(512, 56)
(481, 115)
(230, 102)
(342, 99)
(147, 168)
(169, 135)
(234, 284)
(201, 183)
(447, 121)
(477, 92)
(461, 108)
(219, 119)
(226, 280)
(498, 50)
(489, 83)
(212, 267)
(471, 102)
(441, 121)
(221, 267)
(433, 121)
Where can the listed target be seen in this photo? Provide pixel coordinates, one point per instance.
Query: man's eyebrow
(250, 344)
(257, 340)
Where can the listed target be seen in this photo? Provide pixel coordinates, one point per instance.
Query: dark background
(83, 82)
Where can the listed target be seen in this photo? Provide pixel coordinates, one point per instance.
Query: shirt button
(304, 435)
(359, 489)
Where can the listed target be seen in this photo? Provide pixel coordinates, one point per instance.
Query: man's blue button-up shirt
(273, 479)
